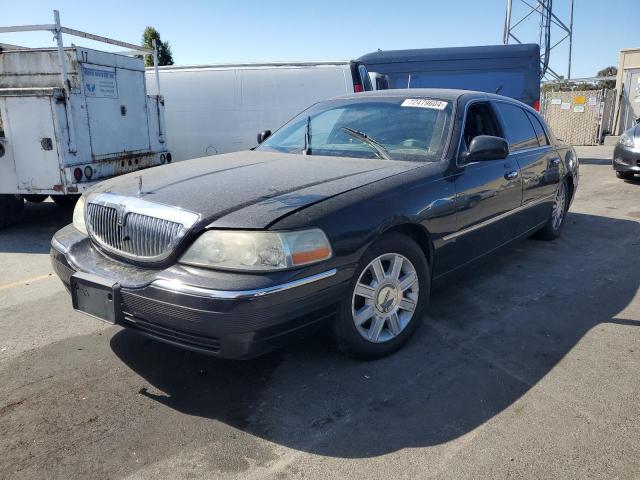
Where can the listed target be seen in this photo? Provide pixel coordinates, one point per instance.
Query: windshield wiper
(377, 146)
(307, 137)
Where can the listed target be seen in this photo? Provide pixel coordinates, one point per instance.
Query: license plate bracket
(96, 296)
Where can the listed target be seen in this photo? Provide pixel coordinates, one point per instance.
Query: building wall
(628, 59)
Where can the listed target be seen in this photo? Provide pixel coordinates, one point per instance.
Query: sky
(202, 32)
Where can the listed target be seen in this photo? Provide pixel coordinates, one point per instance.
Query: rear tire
(553, 227)
(35, 198)
(65, 201)
(624, 175)
(11, 208)
(386, 299)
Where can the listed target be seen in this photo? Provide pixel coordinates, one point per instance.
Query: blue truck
(509, 70)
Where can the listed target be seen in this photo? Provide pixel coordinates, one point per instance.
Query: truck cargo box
(54, 143)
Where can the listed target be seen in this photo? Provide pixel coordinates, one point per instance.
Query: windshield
(394, 128)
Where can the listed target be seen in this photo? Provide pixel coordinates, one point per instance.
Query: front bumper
(626, 159)
(225, 314)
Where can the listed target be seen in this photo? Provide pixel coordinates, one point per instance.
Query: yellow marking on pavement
(6, 286)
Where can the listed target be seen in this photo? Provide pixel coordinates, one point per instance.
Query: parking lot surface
(527, 366)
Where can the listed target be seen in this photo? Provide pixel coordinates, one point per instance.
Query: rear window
(519, 131)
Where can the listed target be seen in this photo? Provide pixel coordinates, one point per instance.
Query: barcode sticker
(424, 103)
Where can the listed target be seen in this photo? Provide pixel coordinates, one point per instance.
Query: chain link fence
(579, 117)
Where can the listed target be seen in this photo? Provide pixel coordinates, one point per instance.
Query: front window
(393, 128)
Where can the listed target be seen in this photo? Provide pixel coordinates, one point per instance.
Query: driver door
(486, 191)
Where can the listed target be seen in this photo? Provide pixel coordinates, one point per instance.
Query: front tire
(553, 227)
(385, 300)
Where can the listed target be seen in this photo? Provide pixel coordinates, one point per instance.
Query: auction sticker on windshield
(424, 103)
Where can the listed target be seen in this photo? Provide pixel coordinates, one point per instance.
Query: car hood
(251, 189)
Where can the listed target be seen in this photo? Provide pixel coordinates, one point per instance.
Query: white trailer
(70, 117)
(213, 109)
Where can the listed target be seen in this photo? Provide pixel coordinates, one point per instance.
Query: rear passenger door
(538, 162)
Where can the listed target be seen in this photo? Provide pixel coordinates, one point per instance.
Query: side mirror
(486, 147)
(263, 135)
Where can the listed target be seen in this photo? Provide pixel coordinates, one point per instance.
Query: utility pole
(570, 37)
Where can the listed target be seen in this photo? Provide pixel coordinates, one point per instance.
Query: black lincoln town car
(343, 218)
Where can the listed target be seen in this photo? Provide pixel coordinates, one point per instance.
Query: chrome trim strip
(128, 204)
(58, 246)
(179, 287)
(497, 218)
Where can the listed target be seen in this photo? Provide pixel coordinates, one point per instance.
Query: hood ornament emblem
(139, 185)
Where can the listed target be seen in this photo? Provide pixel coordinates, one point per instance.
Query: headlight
(626, 140)
(78, 216)
(257, 251)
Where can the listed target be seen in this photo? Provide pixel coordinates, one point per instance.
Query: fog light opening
(88, 172)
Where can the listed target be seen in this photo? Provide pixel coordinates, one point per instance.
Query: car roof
(439, 93)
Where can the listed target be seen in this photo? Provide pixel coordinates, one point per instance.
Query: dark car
(343, 217)
(626, 155)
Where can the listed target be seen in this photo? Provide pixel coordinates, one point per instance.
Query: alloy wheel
(559, 206)
(385, 298)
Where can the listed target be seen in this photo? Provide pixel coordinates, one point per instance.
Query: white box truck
(212, 109)
(70, 117)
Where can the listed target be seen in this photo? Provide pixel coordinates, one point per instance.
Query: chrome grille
(114, 223)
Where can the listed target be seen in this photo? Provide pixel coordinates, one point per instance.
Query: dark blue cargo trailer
(509, 70)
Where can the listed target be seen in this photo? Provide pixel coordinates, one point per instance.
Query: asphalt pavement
(526, 366)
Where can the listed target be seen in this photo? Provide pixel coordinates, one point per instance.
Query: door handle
(512, 175)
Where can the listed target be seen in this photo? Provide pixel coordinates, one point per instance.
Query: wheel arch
(418, 234)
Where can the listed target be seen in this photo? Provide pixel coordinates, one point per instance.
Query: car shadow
(634, 181)
(493, 331)
(32, 234)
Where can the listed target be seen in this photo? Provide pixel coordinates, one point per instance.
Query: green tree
(165, 57)
(607, 72)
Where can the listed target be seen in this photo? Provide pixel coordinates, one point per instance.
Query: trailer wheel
(65, 201)
(11, 208)
(35, 198)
